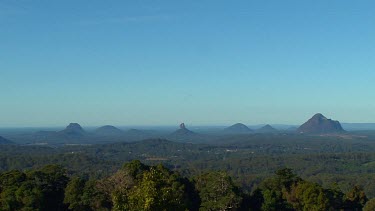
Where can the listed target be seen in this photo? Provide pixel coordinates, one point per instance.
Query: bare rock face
(182, 126)
(319, 124)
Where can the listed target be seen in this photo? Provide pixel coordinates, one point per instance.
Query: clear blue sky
(139, 62)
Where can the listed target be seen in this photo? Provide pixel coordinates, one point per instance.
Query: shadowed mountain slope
(183, 131)
(319, 124)
(238, 128)
(267, 129)
(108, 130)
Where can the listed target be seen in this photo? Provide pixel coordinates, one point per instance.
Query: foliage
(140, 187)
(137, 186)
(248, 159)
(355, 198)
(275, 188)
(308, 196)
(41, 189)
(370, 205)
(217, 191)
(95, 180)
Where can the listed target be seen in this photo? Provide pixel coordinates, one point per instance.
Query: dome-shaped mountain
(73, 130)
(183, 131)
(238, 128)
(267, 129)
(320, 124)
(108, 130)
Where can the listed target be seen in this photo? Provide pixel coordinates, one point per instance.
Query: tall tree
(355, 198)
(217, 191)
(370, 205)
(74, 194)
(140, 187)
(308, 196)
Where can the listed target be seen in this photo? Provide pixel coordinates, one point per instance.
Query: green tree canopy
(140, 187)
(355, 198)
(308, 196)
(217, 191)
(41, 189)
(370, 205)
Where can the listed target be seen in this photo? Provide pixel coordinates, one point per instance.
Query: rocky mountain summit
(183, 131)
(319, 124)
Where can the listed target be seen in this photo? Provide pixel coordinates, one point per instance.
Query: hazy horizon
(202, 63)
(176, 125)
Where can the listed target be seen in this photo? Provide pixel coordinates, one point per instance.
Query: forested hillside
(136, 186)
(249, 159)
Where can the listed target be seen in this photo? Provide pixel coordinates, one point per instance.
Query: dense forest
(136, 186)
(255, 168)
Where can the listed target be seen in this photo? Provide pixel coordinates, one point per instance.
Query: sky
(151, 62)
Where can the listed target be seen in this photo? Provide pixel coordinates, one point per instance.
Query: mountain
(183, 131)
(319, 124)
(108, 130)
(4, 141)
(237, 128)
(267, 129)
(73, 133)
(73, 130)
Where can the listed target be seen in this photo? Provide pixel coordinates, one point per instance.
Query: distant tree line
(137, 186)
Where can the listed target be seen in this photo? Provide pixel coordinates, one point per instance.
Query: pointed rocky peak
(183, 130)
(267, 129)
(238, 128)
(321, 125)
